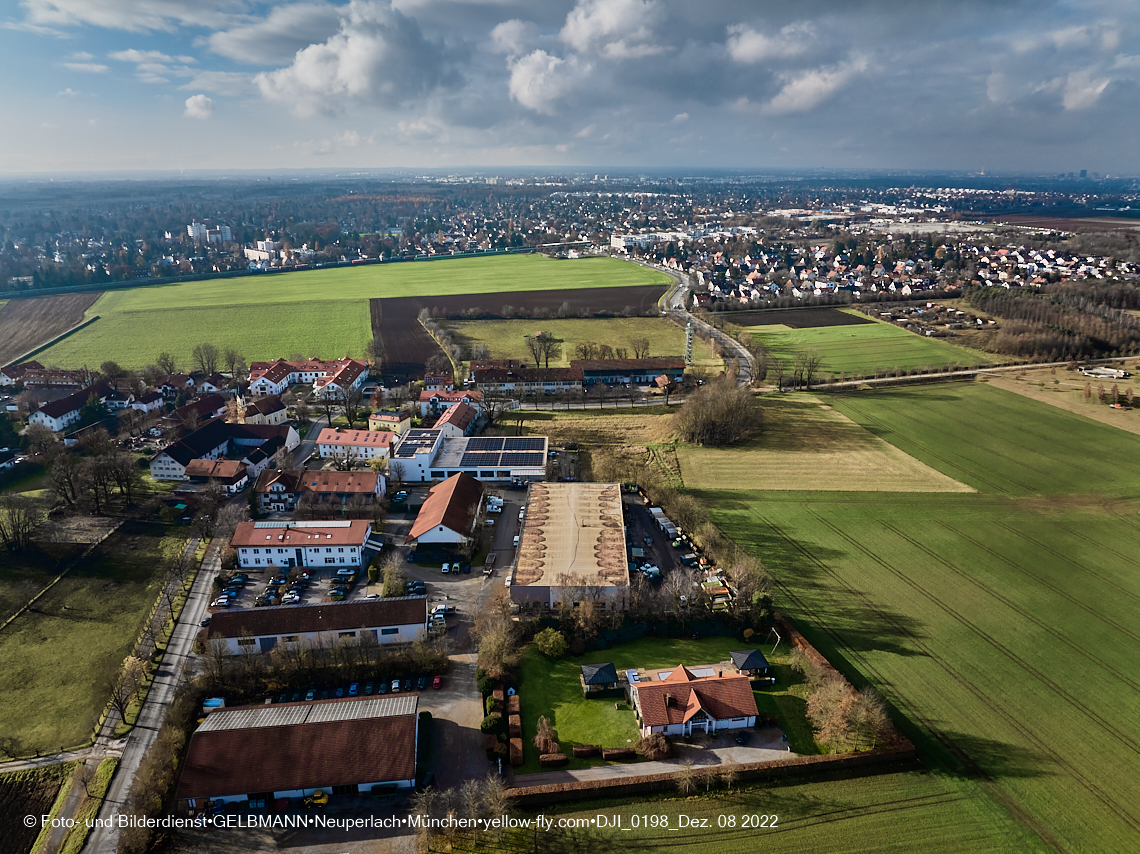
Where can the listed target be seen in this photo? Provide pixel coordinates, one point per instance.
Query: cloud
(147, 56)
(748, 47)
(379, 56)
(539, 80)
(277, 38)
(680, 118)
(1081, 90)
(133, 15)
(152, 66)
(81, 56)
(221, 82)
(806, 91)
(511, 37)
(68, 92)
(199, 107)
(614, 28)
(87, 67)
(348, 139)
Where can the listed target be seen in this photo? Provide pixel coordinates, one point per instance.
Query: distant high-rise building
(1084, 173)
(197, 232)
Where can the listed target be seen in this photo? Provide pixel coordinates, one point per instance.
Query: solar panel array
(490, 452)
(527, 443)
(486, 443)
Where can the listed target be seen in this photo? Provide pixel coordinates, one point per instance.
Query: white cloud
(1082, 90)
(747, 46)
(378, 56)
(221, 82)
(199, 107)
(88, 67)
(539, 79)
(277, 38)
(512, 37)
(806, 91)
(68, 92)
(133, 15)
(347, 139)
(680, 118)
(152, 66)
(147, 56)
(81, 56)
(615, 28)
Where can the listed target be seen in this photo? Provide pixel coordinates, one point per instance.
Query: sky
(1023, 86)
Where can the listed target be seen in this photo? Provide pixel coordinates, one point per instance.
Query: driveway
(457, 711)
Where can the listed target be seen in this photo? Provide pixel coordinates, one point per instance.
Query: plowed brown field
(27, 323)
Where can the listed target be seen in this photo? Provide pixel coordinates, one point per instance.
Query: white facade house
(354, 444)
(338, 544)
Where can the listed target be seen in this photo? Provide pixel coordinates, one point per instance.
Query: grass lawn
(865, 349)
(321, 313)
(1066, 390)
(551, 688)
(1000, 625)
(808, 445)
(506, 339)
(59, 655)
(25, 573)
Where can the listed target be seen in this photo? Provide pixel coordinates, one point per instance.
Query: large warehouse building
(572, 547)
(258, 754)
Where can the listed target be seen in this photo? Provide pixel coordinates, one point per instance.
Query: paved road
(308, 445)
(177, 663)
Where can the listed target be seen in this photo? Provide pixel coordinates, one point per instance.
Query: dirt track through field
(27, 323)
(409, 346)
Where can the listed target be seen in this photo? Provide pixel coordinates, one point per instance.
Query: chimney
(668, 700)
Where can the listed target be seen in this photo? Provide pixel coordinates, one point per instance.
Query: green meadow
(865, 349)
(1001, 625)
(313, 312)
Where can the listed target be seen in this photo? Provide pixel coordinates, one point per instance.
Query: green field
(58, 655)
(864, 349)
(506, 339)
(1001, 625)
(808, 445)
(320, 313)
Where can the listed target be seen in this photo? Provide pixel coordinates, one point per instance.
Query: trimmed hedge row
(553, 760)
(515, 725)
(612, 753)
(516, 752)
(513, 707)
(585, 751)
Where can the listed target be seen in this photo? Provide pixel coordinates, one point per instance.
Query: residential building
(436, 382)
(399, 619)
(217, 439)
(281, 489)
(399, 422)
(176, 384)
(457, 421)
(264, 410)
(14, 374)
(412, 458)
(450, 515)
(200, 411)
(327, 378)
(434, 402)
(633, 371)
(354, 444)
(231, 475)
(152, 401)
(572, 547)
(525, 380)
(60, 414)
(255, 755)
(310, 544)
(686, 701)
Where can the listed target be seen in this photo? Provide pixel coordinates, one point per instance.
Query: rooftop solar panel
(523, 459)
(483, 459)
(527, 443)
(485, 443)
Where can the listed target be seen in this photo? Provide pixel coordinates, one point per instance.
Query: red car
(437, 683)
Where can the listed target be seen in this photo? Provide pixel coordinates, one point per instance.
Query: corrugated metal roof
(320, 711)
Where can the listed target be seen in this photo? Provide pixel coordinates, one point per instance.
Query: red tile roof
(454, 504)
(721, 697)
(302, 534)
(309, 755)
(355, 438)
(224, 470)
(473, 395)
(615, 365)
(460, 415)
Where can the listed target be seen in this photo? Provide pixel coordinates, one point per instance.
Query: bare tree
(351, 399)
(534, 347)
(686, 777)
(377, 352)
(167, 363)
(232, 359)
(18, 519)
(640, 347)
(126, 683)
(206, 358)
(586, 350)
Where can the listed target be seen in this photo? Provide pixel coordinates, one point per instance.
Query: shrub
(718, 414)
(515, 726)
(584, 751)
(516, 752)
(513, 705)
(653, 746)
(618, 753)
(553, 760)
(492, 723)
(484, 683)
(551, 643)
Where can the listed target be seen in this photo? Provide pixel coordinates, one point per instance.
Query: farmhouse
(457, 421)
(152, 401)
(327, 378)
(175, 384)
(572, 548)
(434, 402)
(200, 411)
(449, 516)
(684, 702)
(527, 380)
(386, 419)
(264, 410)
(636, 371)
(231, 475)
(217, 439)
(257, 754)
(281, 490)
(398, 619)
(14, 374)
(354, 444)
(310, 544)
(58, 414)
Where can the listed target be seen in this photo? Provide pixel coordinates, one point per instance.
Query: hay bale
(553, 760)
(516, 752)
(515, 723)
(513, 705)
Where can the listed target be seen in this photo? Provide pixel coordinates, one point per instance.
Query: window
(340, 550)
(289, 638)
(257, 560)
(330, 560)
(328, 549)
(347, 635)
(257, 551)
(246, 641)
(436, 474)
(281, 551)
(389, 631)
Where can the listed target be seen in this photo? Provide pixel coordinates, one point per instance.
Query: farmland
(30, 793)
(864, 349)
(999, 624)
(60, 653)
(27, 323)
(506, 338)
(316, 312)
(808, 445)
(1066, 390)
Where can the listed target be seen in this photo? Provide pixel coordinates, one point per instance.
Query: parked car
(395, 686)
(446, 568)
(437, 683)
(367, 688)
(340, 690)
(649, 541)
(312, 695)
(408, 684)
(421, 683)
(354, 689)
(205, 622)
(221, 602)
(402, 495)
(382, 688)
(743, 736)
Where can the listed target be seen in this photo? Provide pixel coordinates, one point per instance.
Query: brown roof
(453, 504)
(364, 482)
(206, 406)
(329, 617)
(228, 470)
(308, 755)
(443, 394)
(267, 405)
(721, 697)
(75, 400)
(301, 534)
(460, 415)
(656, 364)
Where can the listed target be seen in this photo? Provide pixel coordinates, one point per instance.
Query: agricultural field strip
(989, 590)
(1009, 718)
(929, 428)
(910, 707)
